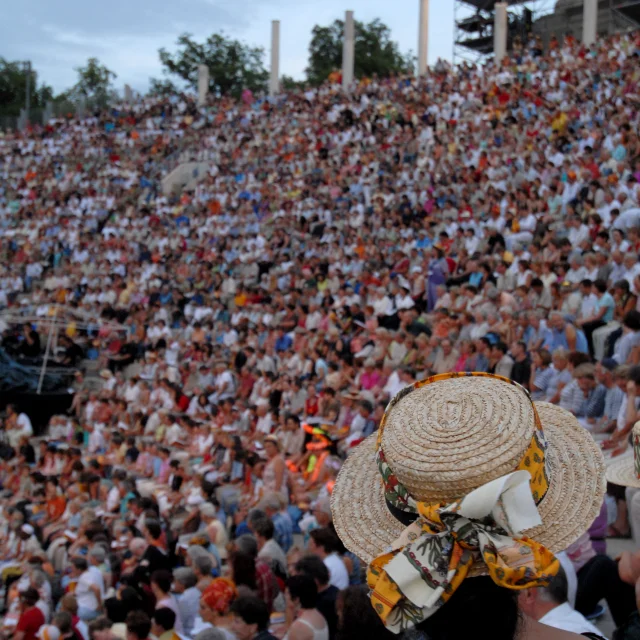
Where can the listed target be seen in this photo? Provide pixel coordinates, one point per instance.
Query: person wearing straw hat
(624, 472)
(460, 500)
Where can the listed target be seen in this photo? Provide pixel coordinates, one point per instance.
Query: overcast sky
(58, 35)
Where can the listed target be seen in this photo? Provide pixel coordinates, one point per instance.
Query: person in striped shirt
(541, 374)
(614, 380)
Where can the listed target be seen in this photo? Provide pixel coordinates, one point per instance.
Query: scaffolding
(614, 16)
(626, 14)
(56, 320)
(473, 22)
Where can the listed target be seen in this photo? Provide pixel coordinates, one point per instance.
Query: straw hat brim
(573, 500)
(622, 471)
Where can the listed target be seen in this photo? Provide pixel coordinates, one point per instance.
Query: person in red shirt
(31, 617)
(311, 403)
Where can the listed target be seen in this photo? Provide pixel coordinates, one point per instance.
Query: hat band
(404, 517)
(433, 556)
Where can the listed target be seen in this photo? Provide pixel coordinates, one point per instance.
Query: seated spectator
(268, 549)
(138, 625)
(303, 619)
(215, 605)
(357, 617)
(326, 601)
(187, 596)
(250, 619)
(325, 544)
(163, 624)
(549, 606)
(31, 617)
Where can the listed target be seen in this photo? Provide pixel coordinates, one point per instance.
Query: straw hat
(625, 471)
(448, 435)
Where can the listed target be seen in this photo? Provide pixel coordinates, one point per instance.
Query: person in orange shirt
(240, 298)
(55, 503)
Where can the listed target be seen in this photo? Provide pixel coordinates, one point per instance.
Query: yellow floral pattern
(435, 553)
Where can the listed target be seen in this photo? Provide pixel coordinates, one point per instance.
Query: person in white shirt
(20, 426)
(324, 543)
(88, 591)
(549, 605)
(224, 384)
(264, 424)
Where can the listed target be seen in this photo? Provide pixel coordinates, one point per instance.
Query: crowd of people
(250, 330)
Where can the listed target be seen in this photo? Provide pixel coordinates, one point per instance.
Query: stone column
(423, 38)
(203, 84)
(589, 22)
(348, 51)
(500, 32)
(81, 107)
(48, 112)
(274, 81)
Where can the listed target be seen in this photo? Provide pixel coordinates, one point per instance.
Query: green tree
(13, 89)
(375, 52)
(161, 87)
(233, 65)
(94, 83)
(289, 84)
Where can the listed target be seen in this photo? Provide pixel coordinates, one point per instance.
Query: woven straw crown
(442, 442)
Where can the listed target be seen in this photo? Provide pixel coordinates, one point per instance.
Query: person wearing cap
(394, 510)
(27, 543)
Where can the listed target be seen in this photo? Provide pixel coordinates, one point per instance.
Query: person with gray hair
(187, 596)
(97, 557)
(202, 563)
(137, 547)
(40, 582)
(211, 634)
(263, 529)
(246, 543)
(549, 605)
